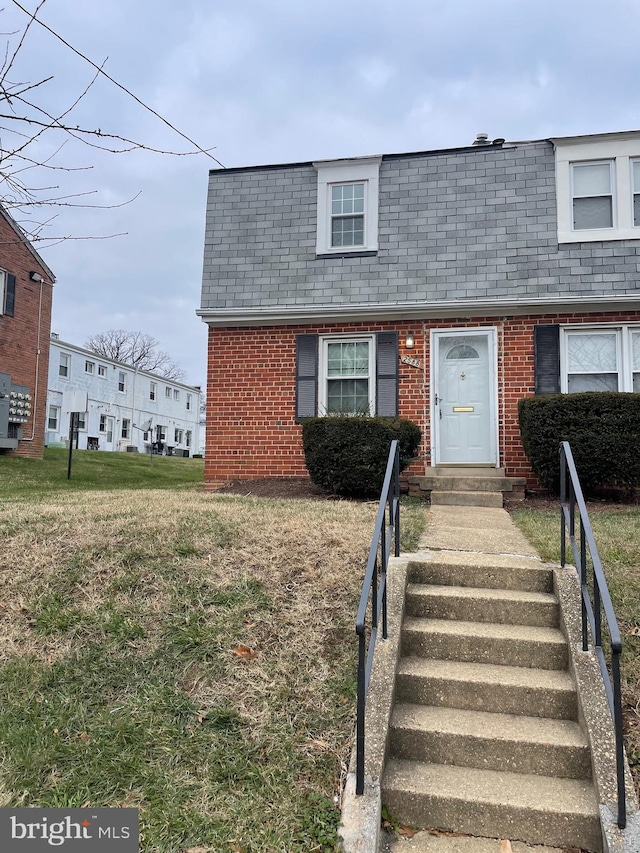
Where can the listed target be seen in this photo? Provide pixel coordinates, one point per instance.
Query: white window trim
(624, 353)
(3, 290)
(619, 151)
(324, 341)
(362, 171)
(612, 184)
(122, 390)
(103, 368)
(89, 367)
(58, 411)
(66, 377)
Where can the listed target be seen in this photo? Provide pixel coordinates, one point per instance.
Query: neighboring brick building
(26, 289)
(441, 286)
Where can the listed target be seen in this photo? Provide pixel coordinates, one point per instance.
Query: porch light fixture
(409, 341)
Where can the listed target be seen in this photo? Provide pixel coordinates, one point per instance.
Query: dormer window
(347, 206)
(592, 195)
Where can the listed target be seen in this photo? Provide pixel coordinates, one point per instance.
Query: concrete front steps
(484, 739)
(467, 486)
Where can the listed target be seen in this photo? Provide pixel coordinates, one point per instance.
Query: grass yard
(189, 654)
(617, 535)
(91, 469)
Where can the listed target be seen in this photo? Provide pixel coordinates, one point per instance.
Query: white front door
(464, 411)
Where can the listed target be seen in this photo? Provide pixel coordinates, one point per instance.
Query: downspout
(35, 387)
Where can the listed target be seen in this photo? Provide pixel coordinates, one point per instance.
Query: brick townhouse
(26, 290)
(442, 286)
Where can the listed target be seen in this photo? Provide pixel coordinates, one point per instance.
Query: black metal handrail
(386, 534)
(571, 497)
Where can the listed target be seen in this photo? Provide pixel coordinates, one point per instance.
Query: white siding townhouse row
(126, 408)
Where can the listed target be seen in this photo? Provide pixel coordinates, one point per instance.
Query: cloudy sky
(268, 81)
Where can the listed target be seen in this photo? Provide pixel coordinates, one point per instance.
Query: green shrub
(348, 455)
(603, 429)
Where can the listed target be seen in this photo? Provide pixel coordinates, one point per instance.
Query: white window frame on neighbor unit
(625, 346)
(122, 382)
(323, 373)
(361, 173)
(64, 365)
(3, 290)
(153, 390)
(125, 428)
(620, 151)
(53, 418)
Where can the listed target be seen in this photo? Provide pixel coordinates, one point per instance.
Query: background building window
(63, 366)
(176, 394)
(153, 387)
(592, 195)
(125, 428)
(89, 366)
(81, 420)
(189, 402)
(103, 423)
(188, 438)
(635, 171)
(102, 370)
(54, 418)
(178, 436)
(122, 381)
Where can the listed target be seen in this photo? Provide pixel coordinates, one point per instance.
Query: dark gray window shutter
(547, 359)
(10, 296)
(387, 374)
(306, 376)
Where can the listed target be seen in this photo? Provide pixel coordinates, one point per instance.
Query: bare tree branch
(136, 349)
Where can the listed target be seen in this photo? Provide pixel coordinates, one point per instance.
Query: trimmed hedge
(348, 455)
(602, 427)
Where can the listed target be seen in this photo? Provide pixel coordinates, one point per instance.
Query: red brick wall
(251, 429)
(19, 334)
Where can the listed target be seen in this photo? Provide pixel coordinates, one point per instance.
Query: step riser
(486, 753)
(506, 651)
(487, 819)
(465, 484)
(463, 471)
(498, 699)
(461, 498)
(501, 612)
(485, 577)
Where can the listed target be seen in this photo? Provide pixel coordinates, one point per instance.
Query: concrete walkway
(480, 533)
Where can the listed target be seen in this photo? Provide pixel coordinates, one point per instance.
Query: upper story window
(176, 394)
(635, 169)
(347, 206)
(122, 381)
(64, 365)
(167, 391)
(153, 388)
(189, 402)
(7, 293)
(89, 366)
(598, 187)
(592, 195)
(102, 370)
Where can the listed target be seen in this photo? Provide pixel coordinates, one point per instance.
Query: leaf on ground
(634, 631)
(245, 652)
(196, 850)
(85, 737)
(407, 831)
(505, 846)
(318, 744)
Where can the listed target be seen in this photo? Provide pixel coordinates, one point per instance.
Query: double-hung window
(53, 418)
(89, 366)
(347, 376)
(347, 206)
(592, 195)
(126, 428)
(189, 402)
(102, 370)
(604, 358)
(635, 179)
(347, 215)
(153, 388)
(64, 365)
(122, 381)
